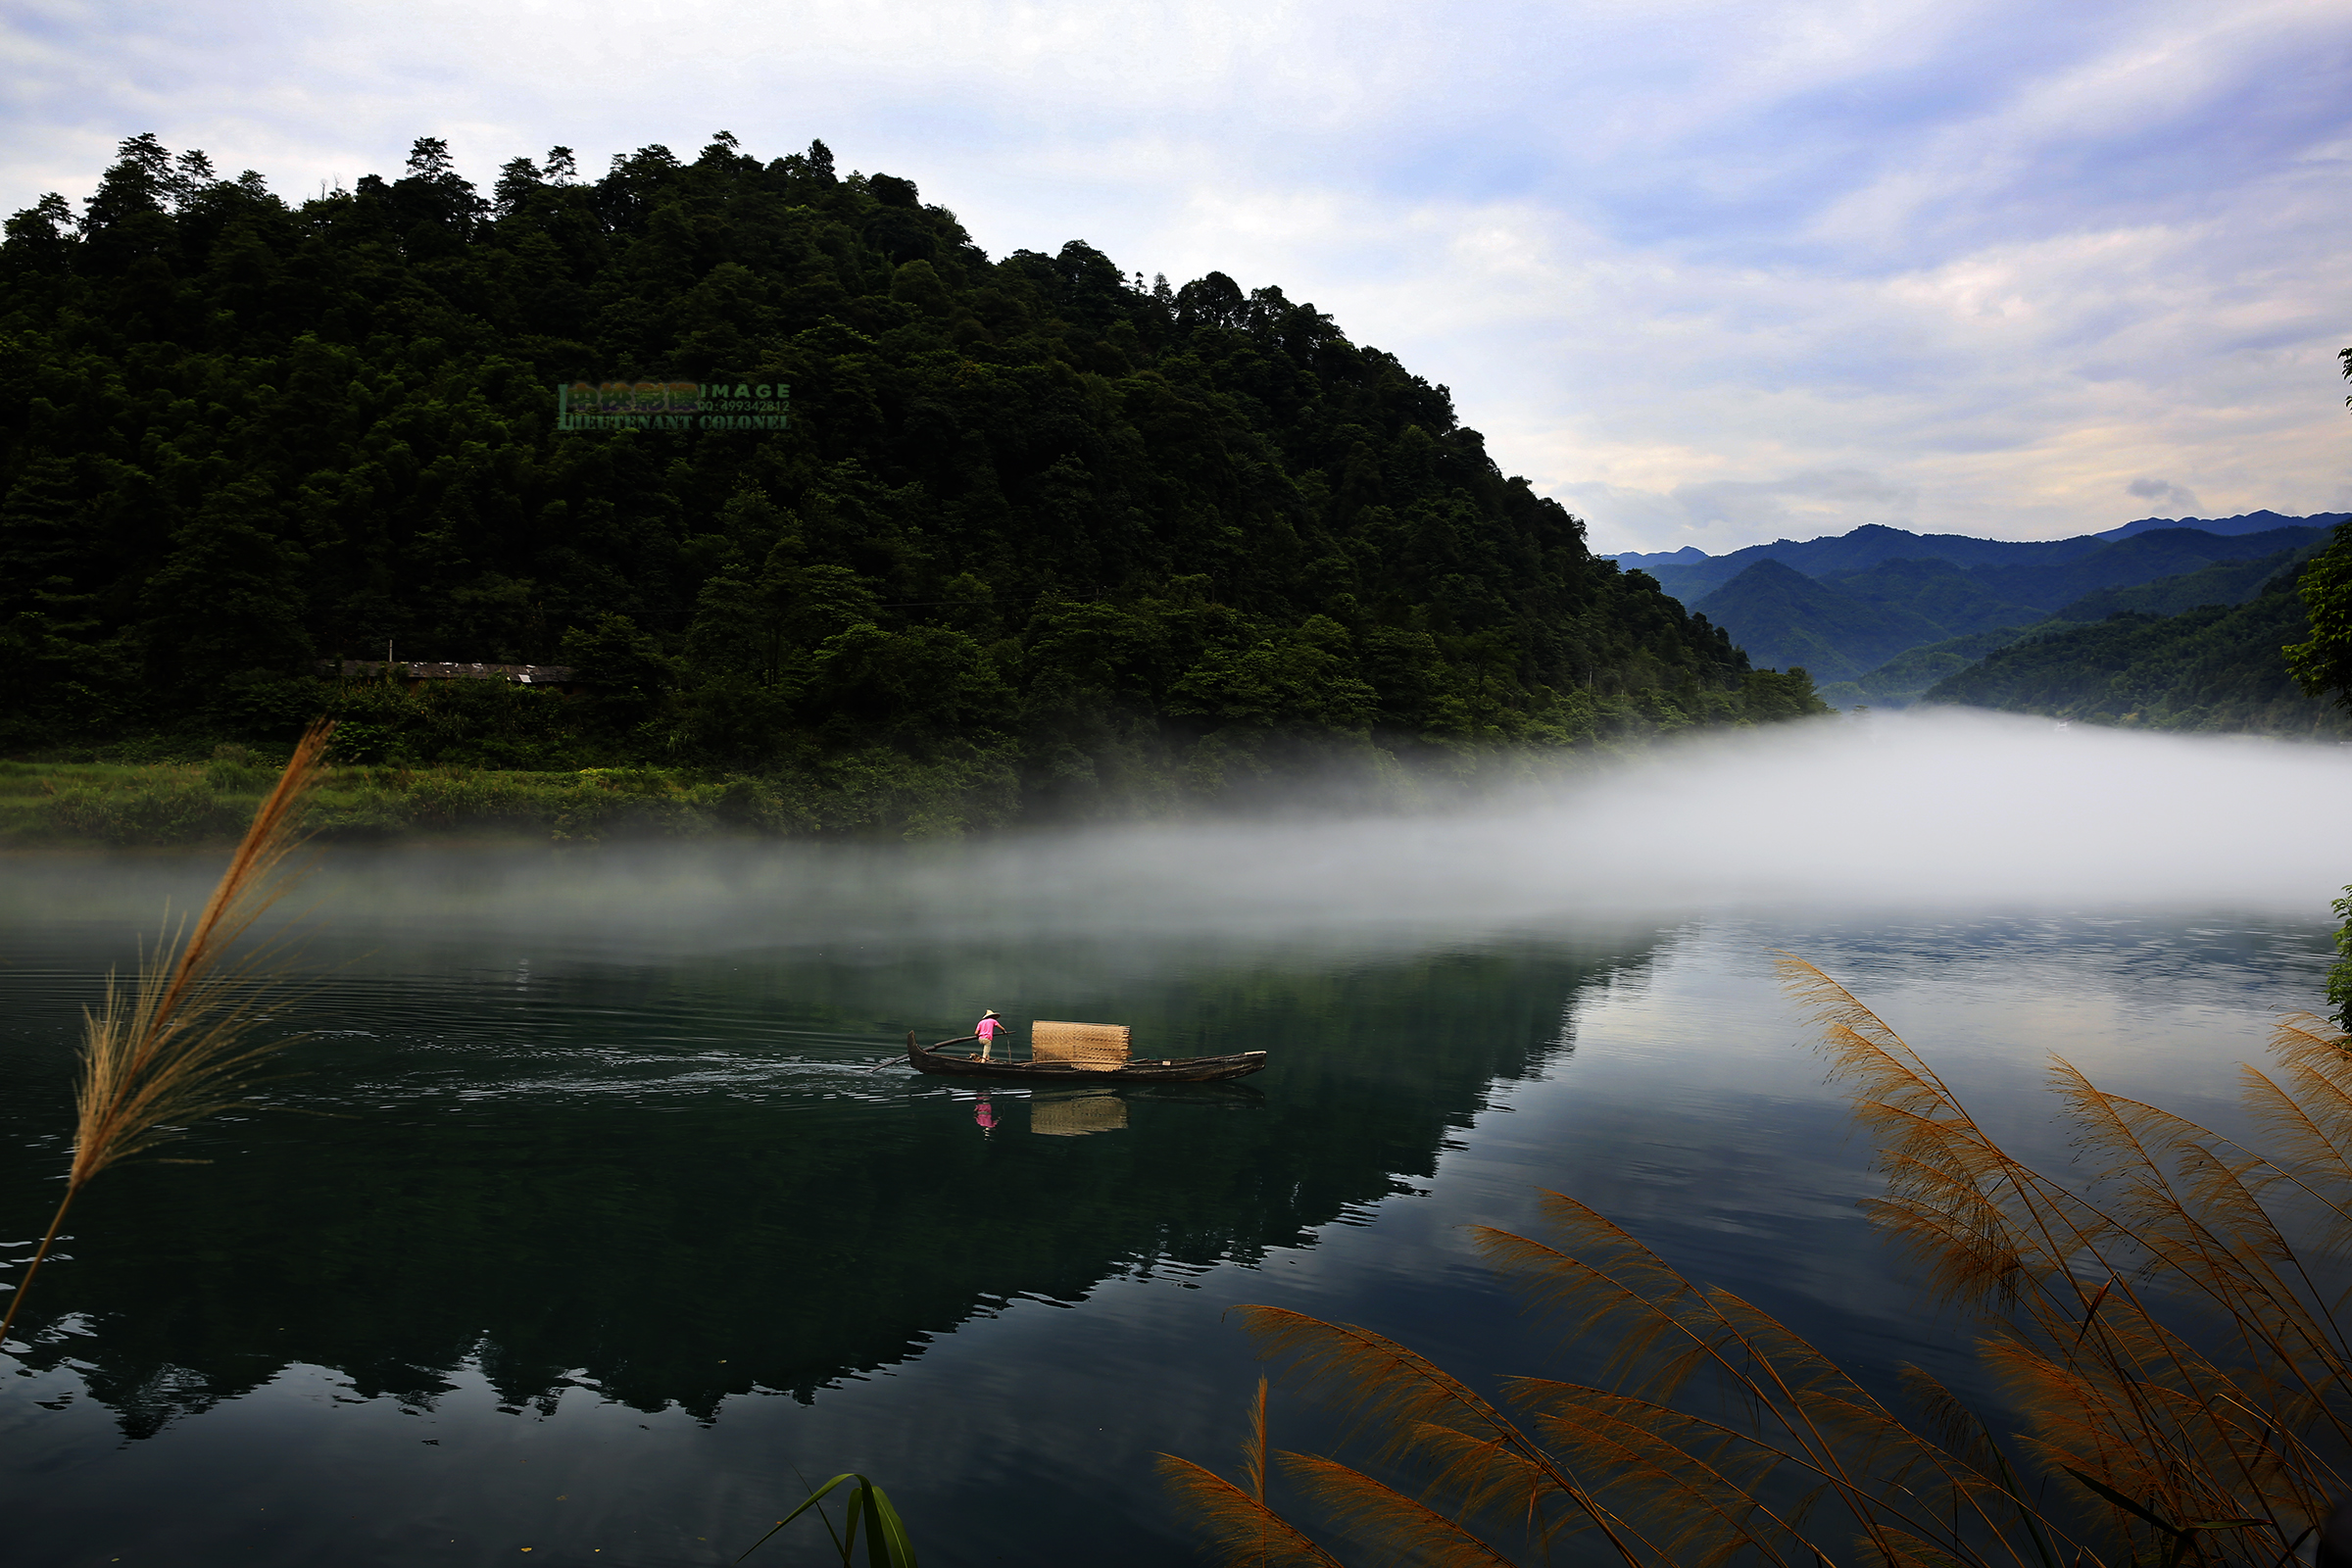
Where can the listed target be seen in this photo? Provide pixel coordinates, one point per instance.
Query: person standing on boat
(988, 1028)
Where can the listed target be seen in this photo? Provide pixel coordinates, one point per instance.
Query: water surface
(595, 1206)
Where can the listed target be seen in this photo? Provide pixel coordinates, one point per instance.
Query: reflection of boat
(1172, 1070)
(1074, 1115)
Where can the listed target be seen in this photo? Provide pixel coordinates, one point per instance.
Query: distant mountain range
(1691, 574)
(1881, 614)
(2243, 522)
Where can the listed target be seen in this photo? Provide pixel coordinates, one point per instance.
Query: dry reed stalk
(176, 1048)
(1248, 1529)
(2161, 1327)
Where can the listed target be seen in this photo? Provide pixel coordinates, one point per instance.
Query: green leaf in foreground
(886, 1541)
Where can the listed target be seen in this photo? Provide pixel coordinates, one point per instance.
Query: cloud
(1721, 514)
(1681, 261)
(2164, 493)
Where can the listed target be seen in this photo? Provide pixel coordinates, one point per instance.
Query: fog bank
(1916, 811)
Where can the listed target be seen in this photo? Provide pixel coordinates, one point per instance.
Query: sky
(1708, 274)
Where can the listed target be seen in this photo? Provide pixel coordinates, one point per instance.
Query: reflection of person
(986, 1116)
(988, 1028)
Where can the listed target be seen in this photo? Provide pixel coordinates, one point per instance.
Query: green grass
(69, 803)
(47, 803)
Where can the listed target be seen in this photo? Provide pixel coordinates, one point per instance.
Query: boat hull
(1176, 1070)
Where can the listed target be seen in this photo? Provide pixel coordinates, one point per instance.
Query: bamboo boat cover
(1092, 1047)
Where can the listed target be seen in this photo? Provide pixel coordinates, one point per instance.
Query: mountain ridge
(1839, 624)
(1690, 574)
(2244, 522)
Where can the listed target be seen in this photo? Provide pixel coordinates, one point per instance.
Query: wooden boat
(1173, 1071)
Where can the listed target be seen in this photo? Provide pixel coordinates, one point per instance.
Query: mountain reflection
(674, 1180)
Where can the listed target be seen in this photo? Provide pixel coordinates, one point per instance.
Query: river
(594, 1210)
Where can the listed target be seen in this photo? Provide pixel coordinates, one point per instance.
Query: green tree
(624, 678)
(41, 540)
(228, 596)
(916, 688)
(2340, 976)
(2322, 665)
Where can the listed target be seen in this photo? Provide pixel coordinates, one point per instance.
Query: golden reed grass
(2165, 1331)
(176, 1046)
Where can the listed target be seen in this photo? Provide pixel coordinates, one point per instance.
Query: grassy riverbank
(196, 802)
(154, 804)
(429, 763)
(484, 755)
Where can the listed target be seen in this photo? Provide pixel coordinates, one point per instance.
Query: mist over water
(1935, 810)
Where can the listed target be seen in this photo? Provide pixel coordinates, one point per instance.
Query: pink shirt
(988, 1029)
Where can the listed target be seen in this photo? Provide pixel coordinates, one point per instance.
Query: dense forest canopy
(2216, 666)
(1034, 521)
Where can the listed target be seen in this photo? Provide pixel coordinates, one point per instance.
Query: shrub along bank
(180, 803)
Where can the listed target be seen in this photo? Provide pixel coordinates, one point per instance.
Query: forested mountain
(2229, 582)
(1886, 631)
(1779, 614)
(1904, 678)
(1907, 676)
(1953, 601)
(2214, 667)
(1034, 525)
(2141, 559)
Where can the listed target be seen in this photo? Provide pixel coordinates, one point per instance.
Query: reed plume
(1244, 1526)
(177, 1045)
(2166, 1331)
